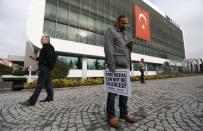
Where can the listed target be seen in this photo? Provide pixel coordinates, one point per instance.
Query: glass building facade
(76, 62)
(85, 21)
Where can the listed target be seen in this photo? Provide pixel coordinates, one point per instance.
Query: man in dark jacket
(44, 78)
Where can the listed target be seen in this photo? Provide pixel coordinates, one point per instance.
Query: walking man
(117, 55)
(46, 64)
(142, 69)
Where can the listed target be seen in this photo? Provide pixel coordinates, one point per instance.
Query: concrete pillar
(30, 73)
(189, 66)
(84, 68)
(146, 70)
(198, 65)
(132, 70)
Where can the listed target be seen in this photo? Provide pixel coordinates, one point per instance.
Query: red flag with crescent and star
(142, 24)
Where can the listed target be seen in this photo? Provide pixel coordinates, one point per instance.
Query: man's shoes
(114, 122)
(26, 103)
(128, 118)
(47, 99)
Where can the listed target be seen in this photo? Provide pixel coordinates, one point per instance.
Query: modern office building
(77, 28)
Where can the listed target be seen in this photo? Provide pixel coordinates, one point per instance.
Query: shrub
(159, 76)
(99, 81)
(149, 77)
(60, 70)
(18, 71)
(135, 78)
(59, 83)
(30, 85)
(4, 70)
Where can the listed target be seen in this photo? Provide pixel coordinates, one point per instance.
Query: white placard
(118, 82)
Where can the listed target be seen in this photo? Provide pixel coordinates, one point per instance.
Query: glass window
(73, 34)
(49, 28)
(113, 10)
(107, 9)
(93, 6)
(73, 62)
(151, 67)
(100, 40)
(85, 4)
(83, 36)
(50, 10)
(135, 66)
(78, 63)
(100, 16)
(61, 31)
(119, 8)
(100, 25)
(62, 12)
(74, 16)
(92, 21)
(84, 19)
(92, 38)
(95, 64)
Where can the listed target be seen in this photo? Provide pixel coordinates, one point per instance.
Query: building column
(146, 70)
(132, 70)
(84, 68)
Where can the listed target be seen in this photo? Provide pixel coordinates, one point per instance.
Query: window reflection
(95, 64)
(73, 62)
(86, 21)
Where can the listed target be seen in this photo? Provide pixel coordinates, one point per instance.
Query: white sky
(187, 13)
(12, 27)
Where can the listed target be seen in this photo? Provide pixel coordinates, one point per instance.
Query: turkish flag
(142, 24)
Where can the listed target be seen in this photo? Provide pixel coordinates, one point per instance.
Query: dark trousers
(43, 81)
(111, 105)
(142, 76)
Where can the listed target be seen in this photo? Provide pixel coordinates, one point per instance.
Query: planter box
(17, 81)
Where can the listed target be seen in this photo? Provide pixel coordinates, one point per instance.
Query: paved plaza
(166, 104)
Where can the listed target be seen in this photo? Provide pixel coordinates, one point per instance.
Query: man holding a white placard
(117, 55)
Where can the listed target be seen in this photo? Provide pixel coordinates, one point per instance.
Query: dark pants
(142, 76)
(111, 105)
(43, 81)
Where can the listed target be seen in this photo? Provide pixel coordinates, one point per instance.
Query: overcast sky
(12, 27)
(188, 14)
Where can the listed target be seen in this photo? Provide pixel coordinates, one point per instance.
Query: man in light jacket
(142, 69)
(117, 56)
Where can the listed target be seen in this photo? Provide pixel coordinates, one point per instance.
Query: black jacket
(46, 55)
